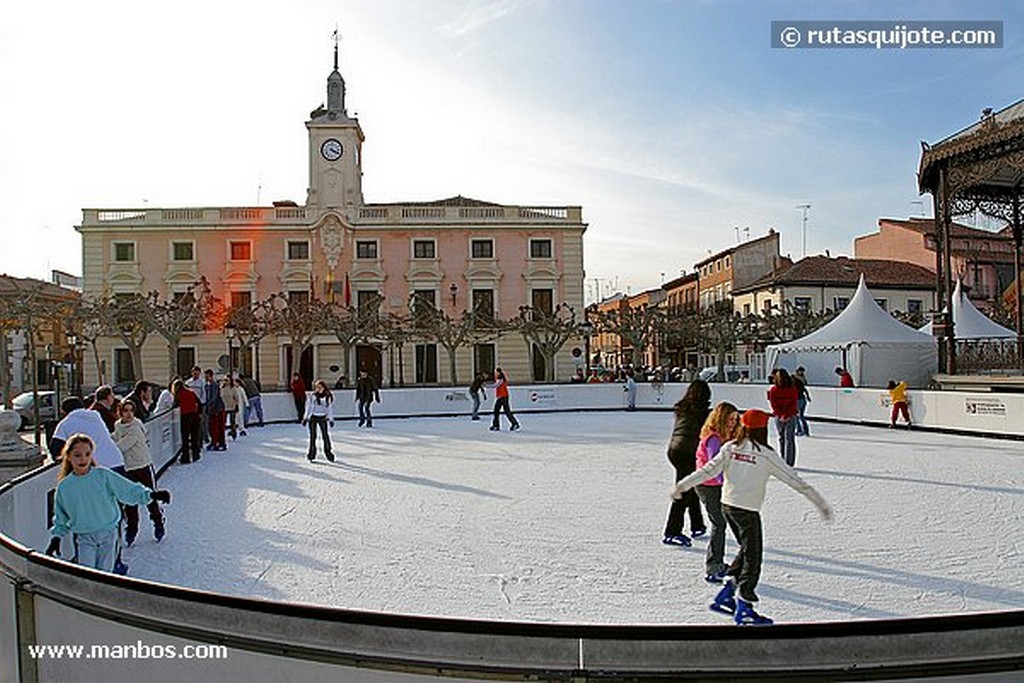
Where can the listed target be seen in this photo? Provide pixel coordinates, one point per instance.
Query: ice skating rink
(562, 522)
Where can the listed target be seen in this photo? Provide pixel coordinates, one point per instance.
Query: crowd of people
(106, 463)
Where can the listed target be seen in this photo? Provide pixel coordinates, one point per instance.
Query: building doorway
(305, 366)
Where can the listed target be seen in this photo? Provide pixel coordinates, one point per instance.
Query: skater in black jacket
(691, 411)
(366, 393)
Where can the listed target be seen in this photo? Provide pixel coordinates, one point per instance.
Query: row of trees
(298, 317)
(295, 316)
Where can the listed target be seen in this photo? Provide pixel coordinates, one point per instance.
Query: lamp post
(454, 289)
(586, 329)
(229, 332)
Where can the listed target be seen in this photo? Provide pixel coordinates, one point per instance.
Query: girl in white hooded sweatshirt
(745, 465)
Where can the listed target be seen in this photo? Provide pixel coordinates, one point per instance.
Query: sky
(674, 124)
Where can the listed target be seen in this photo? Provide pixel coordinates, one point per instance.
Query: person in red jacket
(298, 388)
(501, 402)
(783, 398)
(191, 435)
(845, 378)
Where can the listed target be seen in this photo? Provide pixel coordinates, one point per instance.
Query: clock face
(331, 149)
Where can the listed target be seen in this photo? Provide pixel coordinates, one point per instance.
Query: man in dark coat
(366, 392)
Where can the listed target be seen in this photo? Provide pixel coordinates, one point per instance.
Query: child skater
(721, 426)
(746, 464)
(900, 403)
(86, 504)
(319, 411)
(130, 437)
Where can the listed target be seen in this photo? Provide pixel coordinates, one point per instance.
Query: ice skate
(725, 601)
(678, 539)
(746, 616)
(158, 532)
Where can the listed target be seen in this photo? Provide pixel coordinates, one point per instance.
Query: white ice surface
(562, 522)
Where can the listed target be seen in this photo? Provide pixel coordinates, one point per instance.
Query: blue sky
(670, 123)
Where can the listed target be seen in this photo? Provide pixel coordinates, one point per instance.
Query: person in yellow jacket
(900, 402)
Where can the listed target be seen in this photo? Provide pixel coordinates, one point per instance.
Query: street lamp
(586, 329)
(229, 332)
(454, 289)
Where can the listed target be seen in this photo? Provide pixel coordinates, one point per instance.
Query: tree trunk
(96, 357)
(549, 365)
(451, 365)
(172, 357)
(136, 352)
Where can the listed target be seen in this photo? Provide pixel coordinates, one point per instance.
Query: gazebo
(981, 169)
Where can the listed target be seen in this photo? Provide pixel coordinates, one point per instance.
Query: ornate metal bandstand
(981, 169)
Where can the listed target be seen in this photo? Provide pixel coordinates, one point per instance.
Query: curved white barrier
(136, 630)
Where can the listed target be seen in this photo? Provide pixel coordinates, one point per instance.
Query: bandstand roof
(996, 135)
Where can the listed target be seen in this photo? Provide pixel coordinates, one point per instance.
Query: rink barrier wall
(45, 601)
(980, 413)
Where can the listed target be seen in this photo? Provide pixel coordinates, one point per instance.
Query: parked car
(25, 405)
(733, 373)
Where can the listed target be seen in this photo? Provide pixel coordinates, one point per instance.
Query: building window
(726, 261)
(298, 250)
(185, 361)
(366, 298)
(746, 309)
(840, 302)
(423, 302)
(241, 300)
(423, 249)
(183, 251)
(483, 303)
(298, 298)
(915, 306)
(366, 249)
(883, 304)
(240, 251)
(426, 363)
(482, 248)
(124, 252)
(543, 300)
(540, 248)
(484, 359)
(802, 303)
(123, 366)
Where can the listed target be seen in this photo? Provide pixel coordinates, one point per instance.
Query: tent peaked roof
(862, 322)
(969, 322)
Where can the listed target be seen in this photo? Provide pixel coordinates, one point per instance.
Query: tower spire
(336, 37)
(336, 84)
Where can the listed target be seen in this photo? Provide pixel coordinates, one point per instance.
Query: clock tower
(335, 150)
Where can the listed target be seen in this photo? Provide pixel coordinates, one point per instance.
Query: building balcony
(368, 215)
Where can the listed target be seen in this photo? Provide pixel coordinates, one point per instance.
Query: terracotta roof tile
(843, 271)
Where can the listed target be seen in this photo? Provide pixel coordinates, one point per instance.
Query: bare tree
(186, 312)
(469, 328)
(722, 329)
(352, 325)
(299, 319)
(251, 324)
(635, 325)
(127, 317)
(547, 331)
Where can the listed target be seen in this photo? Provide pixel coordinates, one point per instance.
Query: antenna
(805, 208)
(259, 189)
(737, 229)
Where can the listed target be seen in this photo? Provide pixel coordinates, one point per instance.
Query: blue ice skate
(678, 539)
(746, 616)
(725, 601)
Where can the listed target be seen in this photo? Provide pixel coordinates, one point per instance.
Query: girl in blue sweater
(86, 504)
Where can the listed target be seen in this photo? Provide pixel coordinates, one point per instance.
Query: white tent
(867, 341)
(969, 322)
